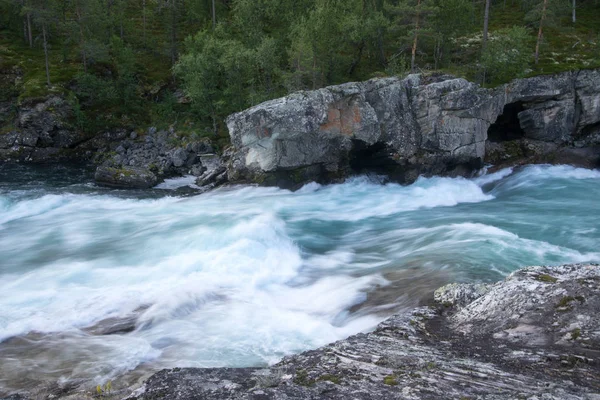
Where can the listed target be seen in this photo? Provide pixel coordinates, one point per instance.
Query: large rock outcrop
(407, 127)
(534, 335)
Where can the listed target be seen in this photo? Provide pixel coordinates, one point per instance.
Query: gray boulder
(125, 177)
(459, 294)
(388, 125)
(408, 127)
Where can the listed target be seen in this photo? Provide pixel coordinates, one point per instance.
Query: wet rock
(459, 294)
(165, 154)
(179, 157)
(125, 177)
(116, 325)
(538, 306)
(41, 123)
(405, 128)
(532, 336)
(215, 173)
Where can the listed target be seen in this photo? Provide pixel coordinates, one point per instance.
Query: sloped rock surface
(531, 336)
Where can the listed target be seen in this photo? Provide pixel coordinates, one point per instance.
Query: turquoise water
(245, 275)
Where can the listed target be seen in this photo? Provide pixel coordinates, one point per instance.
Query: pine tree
(541, 14)
(412, 19)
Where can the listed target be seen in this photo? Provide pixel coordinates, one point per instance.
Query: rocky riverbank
(420, 125)
(401, 128)
(534, 335)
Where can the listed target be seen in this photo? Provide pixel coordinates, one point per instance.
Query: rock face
(44, 130)
(408, 127)
(534, 335)
(41, 130)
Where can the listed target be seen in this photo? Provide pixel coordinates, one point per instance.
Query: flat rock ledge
(535, 335)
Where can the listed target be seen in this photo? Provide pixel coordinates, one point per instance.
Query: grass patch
(390, 380)
(546, 278)
(302, 378)
(565, 301)
(331, 378)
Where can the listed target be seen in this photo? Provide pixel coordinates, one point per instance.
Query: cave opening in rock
(507, 125)
(370, 158)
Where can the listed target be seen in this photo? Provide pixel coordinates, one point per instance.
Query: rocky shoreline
(401, 128)
(534, 335)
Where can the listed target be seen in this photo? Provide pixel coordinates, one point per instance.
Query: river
(242, 276)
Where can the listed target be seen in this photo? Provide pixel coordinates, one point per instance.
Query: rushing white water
(243, 276)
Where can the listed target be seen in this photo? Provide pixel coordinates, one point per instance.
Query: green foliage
(451, 20)
(330, 378)
(104, 390)
(120, 62)
(553, 12)
(398, 66)
(546, 278)
(507, 54)
(215, 72)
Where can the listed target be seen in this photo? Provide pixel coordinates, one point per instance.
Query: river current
(242, 276)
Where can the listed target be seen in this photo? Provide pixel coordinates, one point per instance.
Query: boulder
(459, 294)
(408, 127)
(125, 177)
(390, 125)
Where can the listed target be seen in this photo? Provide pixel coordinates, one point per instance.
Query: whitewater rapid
(243, 276)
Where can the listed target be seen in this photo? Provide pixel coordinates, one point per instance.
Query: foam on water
(176, 183)
(243, 276)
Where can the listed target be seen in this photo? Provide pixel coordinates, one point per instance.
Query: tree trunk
(357, 59)
(416, 39)
(214, 15)
(173, 31)
(574, 11)
(486, 22)
(314, 71)
(29, 33)
(382, 58)
(213, 116)
(540, 32)
(437, 53)
(144, 20)
(45, 38)
(81, 36)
